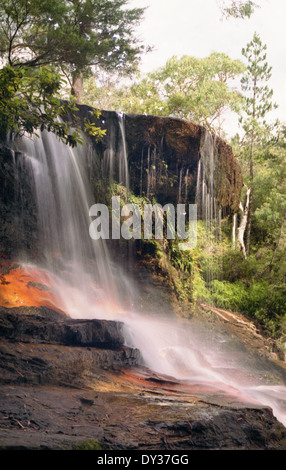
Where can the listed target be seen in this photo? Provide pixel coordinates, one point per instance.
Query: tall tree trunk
(251, 170)
(234, 227)
(249, 219)
(243, 222)
(77, 85)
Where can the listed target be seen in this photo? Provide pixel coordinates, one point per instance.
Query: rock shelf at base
(67, 395)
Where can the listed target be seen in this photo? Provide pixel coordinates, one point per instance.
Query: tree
(41, 38)
(270, 199)
(188, 88)
(142, 97)
(73, 35)
(257, 103)
(237, 8)
(29, 101)
(244, 209)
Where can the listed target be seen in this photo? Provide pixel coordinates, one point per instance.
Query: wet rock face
(59, 388)
(41, 346)
(43, 325)
(163, 157)
(17, 205)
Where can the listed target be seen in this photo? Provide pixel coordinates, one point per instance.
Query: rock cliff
(163, 157)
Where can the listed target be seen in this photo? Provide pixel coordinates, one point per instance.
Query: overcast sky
(196, 28)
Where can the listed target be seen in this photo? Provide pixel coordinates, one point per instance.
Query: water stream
(89, 283)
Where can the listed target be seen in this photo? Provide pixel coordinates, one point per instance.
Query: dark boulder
(42, 325)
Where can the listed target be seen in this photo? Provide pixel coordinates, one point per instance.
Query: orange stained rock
(25, 286)
(158, 383)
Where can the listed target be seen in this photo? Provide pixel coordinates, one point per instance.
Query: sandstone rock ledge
(65, 382)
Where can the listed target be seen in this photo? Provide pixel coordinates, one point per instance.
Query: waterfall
(80, 267)
(123, 161)
(141, 173)
(205, 191)
(209, 211)
(148, 173)
(152, 168)
(186, 184)
(115, 161)
(109, 154)
(89, 284)
(183, 185)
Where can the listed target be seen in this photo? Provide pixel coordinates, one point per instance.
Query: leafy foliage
(257, 103)
(257, 94)
(77, 33)
(259, 300)
(187, 87)
(256, 286)
(40, 38)
(238, 8)
(72, 35)
(29, 102)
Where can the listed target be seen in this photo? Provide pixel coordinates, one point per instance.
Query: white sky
(196, 28)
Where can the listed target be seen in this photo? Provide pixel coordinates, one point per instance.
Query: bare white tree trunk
(234, 227)
(243, 223)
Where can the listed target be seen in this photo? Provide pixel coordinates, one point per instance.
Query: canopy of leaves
(74, 33)
(257, 94)
(69, 36)
(237, 8)
(191, 88)
(270, 192)
(29, 101)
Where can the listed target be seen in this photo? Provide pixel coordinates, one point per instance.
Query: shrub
(259, 300)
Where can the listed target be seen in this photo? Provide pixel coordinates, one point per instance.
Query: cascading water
(115, 164)
(80, 268)
(171, 346)
(87, 280)
(208, 208)
(123, 162)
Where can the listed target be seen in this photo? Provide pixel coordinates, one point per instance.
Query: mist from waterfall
(89, 283)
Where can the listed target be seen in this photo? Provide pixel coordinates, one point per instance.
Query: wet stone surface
(59, 396)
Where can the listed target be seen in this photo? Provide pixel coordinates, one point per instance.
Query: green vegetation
(237, 8)
(30, 102)
(257, 103)
(43, 41)
(186, 87)
(256, 285)
(70, 35)
(91, 444)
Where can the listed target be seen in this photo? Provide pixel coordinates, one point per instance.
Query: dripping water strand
(208, 209)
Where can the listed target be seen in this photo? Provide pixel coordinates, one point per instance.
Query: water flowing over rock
(61, 390)
(161, 157)
(46, 192)
(171, 149)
